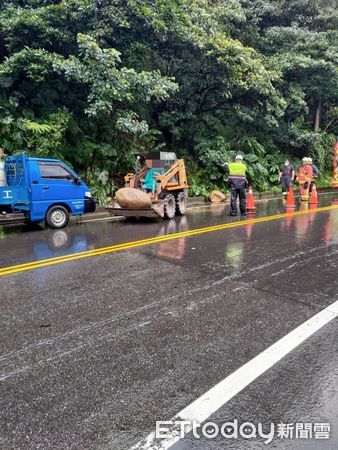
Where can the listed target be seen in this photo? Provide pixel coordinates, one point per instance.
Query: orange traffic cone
(250, 204)
(290, 201)
(314, 196)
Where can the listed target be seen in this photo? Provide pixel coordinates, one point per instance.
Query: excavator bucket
(156, 210)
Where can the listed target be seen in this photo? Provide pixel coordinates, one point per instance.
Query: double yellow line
(154, 240)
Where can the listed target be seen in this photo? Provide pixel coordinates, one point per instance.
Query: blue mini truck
(42, 190)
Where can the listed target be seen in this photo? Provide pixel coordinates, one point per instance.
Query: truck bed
(14, 196)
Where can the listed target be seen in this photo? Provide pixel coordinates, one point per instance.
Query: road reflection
(331, 227)
(302, 223)
(175, 249)
(234, 254)
(61, 242)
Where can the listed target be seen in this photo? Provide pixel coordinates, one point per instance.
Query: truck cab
(41, 189)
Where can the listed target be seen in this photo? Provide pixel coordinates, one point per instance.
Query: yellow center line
(148, 241)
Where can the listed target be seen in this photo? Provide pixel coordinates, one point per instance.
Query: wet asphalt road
(94, 351)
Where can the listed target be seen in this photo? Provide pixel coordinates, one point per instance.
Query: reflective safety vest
(305, 174)
(237, 170)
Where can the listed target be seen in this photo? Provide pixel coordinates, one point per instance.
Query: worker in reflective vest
(237, 184)
(304, 178)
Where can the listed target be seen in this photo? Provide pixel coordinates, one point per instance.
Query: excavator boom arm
(174, 179)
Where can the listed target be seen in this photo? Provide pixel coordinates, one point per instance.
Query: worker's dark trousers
(286, 183)
(237, 188)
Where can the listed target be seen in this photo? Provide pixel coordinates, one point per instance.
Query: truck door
(59, 185)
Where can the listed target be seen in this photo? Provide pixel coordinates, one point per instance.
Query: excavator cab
(163, 178)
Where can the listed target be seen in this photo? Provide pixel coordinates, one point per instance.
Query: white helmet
(239, 158)
(305, 159)
(310, 160)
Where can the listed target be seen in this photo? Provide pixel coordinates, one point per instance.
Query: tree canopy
(93, 81)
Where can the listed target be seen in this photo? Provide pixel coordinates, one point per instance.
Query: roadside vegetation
(94, 81)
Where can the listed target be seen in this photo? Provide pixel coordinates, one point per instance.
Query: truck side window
(54, 172)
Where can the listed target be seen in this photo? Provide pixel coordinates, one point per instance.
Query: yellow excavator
(162, 177)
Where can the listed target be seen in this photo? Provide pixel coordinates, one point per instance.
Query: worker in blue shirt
(286, 176)
(316, 173)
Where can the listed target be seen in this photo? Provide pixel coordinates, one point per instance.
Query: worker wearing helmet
(286, 176)
(304, 178)
(139, 170)
(237, 184)
(316, 173)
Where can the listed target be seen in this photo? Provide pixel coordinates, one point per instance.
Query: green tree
(299, 39)
(93, 81)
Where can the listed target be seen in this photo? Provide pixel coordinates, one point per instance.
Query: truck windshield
(54, 172)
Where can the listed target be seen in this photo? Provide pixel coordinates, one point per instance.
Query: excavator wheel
(169, 206)
(181, 204)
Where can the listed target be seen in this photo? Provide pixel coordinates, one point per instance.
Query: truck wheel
(181, 204)
(169, 206)
(57, 217)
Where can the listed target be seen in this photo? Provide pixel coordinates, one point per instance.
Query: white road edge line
(221, 393)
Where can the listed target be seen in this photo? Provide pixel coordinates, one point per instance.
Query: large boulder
(217, 197)
(133, 198)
